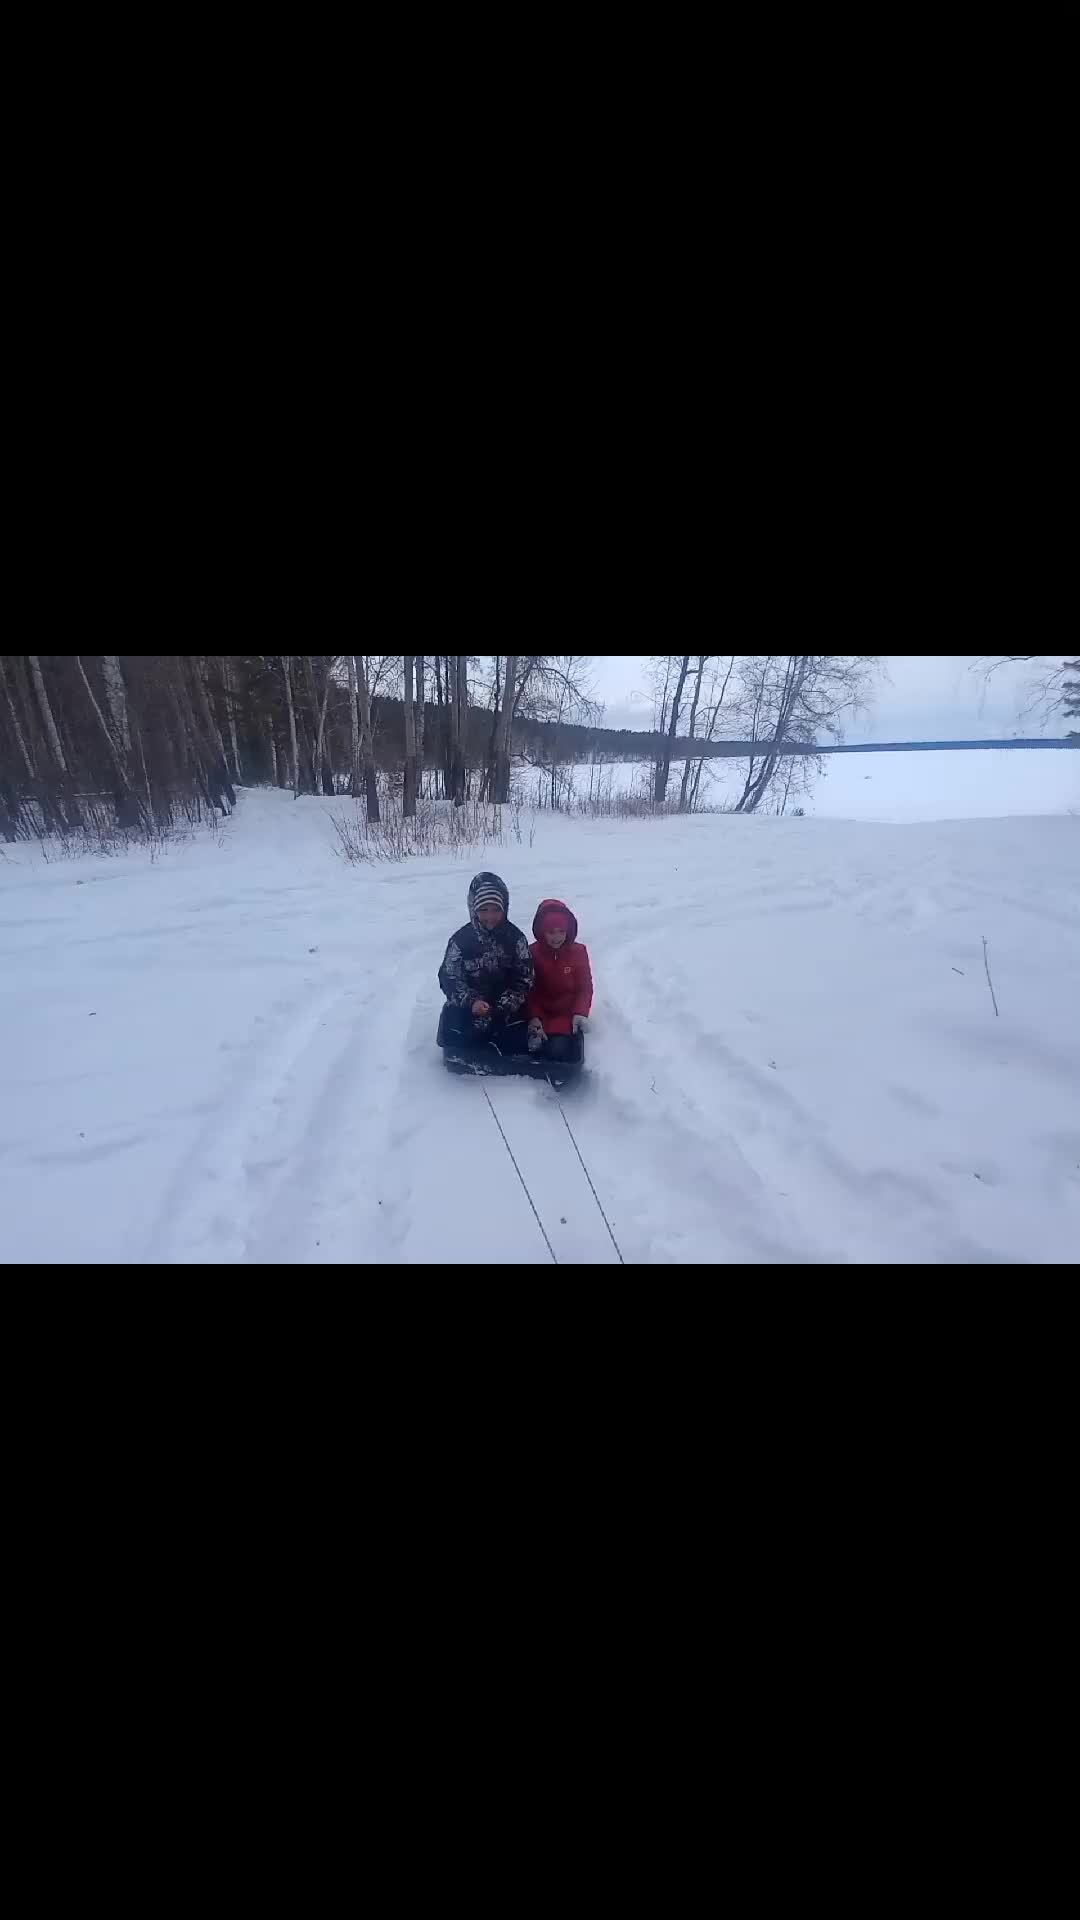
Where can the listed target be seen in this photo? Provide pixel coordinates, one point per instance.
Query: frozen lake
(894, 787)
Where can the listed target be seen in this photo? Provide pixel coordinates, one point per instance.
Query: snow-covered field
(228, 1054)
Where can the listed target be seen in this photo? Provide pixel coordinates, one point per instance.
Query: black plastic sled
(487, 1058)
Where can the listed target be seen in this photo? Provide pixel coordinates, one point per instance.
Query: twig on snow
(960, 971)
(989, 982)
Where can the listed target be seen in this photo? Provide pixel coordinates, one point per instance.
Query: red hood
(553, 906)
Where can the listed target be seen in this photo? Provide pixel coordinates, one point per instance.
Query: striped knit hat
(487, 890)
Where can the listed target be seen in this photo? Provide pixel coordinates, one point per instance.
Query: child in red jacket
(561, 994)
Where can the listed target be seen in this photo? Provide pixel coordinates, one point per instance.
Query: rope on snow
(518, 1171)
(587, 1174)
(521, 1176)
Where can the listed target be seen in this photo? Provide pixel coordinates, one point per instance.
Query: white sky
(924, 697)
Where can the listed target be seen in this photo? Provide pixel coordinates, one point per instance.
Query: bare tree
(286, 670)
(354, 728)
(554, 687)
(20, 738)
(325, 772)
(420, 694)
(366, 747)
(128, 807)
(442, 722)
(714, 711)
(116, 701)
(49, 723)
(792, 698)
(487, 782)
(663, 764)
(1048, 689)
(459, 710)
(226, 679)
(688, 762)
(408, 796)
(502, 741)
(214, 739)
(279, 772)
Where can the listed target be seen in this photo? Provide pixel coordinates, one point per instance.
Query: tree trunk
(487, 779)
(226, 676)
(198, 666)
(354, 729)
(663, 721)
(502, 743)
(366, 748)
(757, 785)
(308, 733)
(60, 806)
(664, 764)
(278, 769)
(320, 744)
(191, 742)
(458, 719)
(408, 798)
(173, 685)
(286, 671)
(702, 657)
(116, 701)
(51, 733)
(555, 751)
(420, 724)
(215, 769)
(20, 740)
(713, 714)
(128, 809)
(446, 723)
(107, 735)
(440, 728)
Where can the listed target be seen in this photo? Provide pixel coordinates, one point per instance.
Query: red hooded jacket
(562, 983)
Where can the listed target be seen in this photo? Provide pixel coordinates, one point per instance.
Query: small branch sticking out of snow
(960, 971)
(989, 982)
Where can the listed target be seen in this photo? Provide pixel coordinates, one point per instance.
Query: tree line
(145, 737)
(140, 738)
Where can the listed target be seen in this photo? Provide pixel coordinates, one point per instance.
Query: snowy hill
(227, 1054)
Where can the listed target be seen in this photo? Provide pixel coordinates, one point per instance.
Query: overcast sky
(924, 697)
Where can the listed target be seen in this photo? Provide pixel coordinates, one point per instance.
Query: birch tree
(354, 728)
(286, 670)
(793, 698)
(688, 762)
(714, 709)
(116, 702)
(408, 796)
(681, 666)
(502, 740)
(458, 719)
(20, 738)
(227, 682)
(128, 807)
(420, 722)
(51, 731)
(366, 748)
(325, 773)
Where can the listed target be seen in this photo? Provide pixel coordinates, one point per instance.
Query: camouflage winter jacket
(480, 965)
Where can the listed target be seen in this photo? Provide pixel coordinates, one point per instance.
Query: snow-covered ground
(228, 1054)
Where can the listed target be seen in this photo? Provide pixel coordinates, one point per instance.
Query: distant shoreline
(743, 749)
